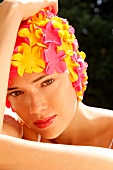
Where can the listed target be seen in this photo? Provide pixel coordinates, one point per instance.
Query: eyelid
(10, 93)
(49, 79)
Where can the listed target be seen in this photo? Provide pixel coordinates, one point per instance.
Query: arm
(19, 154)
(11, 15)
(12, 126)
(16, 154)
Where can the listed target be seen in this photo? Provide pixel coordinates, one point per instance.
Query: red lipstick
(43, 123)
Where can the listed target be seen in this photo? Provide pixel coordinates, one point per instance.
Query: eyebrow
(34, 81)
(39, 78)
(12, 88)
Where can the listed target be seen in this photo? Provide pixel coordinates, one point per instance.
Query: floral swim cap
(46, 43)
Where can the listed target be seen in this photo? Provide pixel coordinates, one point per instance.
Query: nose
(38, 104)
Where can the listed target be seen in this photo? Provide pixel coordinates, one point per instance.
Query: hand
(29, 8)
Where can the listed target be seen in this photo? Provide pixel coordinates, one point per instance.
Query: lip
(44, 123)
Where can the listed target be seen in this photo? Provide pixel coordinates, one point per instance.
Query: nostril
(37, 102)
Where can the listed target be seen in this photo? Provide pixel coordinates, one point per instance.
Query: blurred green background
(93, 23)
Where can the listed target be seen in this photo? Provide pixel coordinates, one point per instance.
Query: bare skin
(99, 121)
(32, 155)
(100, 133)
(12, 127)
(71, 126)
(12, 13)
(19, 154)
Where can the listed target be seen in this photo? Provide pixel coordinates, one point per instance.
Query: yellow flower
(71, 65)
(29, 60)
(33, 35)
(67, 48)
(58, 23)
(56, 18)
(82, 54)
(63, 32)
(40, 20)
(79, 95)
(66, 36)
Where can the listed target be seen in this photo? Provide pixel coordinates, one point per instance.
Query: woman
(46, 63)
(7, 9)
(35, 153)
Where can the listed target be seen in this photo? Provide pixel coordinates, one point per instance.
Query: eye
(15, 93)
(47, 82)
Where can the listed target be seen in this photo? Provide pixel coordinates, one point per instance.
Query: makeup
(44, 123)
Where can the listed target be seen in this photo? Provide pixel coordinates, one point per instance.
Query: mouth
(44, 123)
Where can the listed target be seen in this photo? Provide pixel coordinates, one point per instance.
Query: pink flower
(51, 34)
(75, 45)
(80, 72)
(71, 30)
(81, 67)
(77, 84)
(64, 21)
(74, 57)
(54, 60)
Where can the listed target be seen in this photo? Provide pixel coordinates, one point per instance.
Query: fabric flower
(13, 74)
(66, 47)
(66, 32)
(39, 19)
(29, 61)
(54, 60)
(75, 45)
(70, 66)
(80, 84)
(71, 30)
(46, 42)
(34, 36)
(82, 54)
(51, 34)
(60, 23)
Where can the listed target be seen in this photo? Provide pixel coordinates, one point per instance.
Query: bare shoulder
(102, 121)
(100, 116)
(99, 112)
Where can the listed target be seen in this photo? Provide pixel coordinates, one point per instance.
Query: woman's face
(46, 103)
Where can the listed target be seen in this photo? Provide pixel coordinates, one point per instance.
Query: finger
(54, 9)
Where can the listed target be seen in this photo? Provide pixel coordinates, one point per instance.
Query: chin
(50, 136)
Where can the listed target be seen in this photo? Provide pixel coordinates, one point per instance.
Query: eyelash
(15, 93)
(47, 82)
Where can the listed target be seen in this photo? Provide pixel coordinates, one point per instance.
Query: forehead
(28, 78)
(35, 77)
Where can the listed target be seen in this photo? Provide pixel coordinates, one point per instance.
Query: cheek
(20, 107)
(64, 98)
